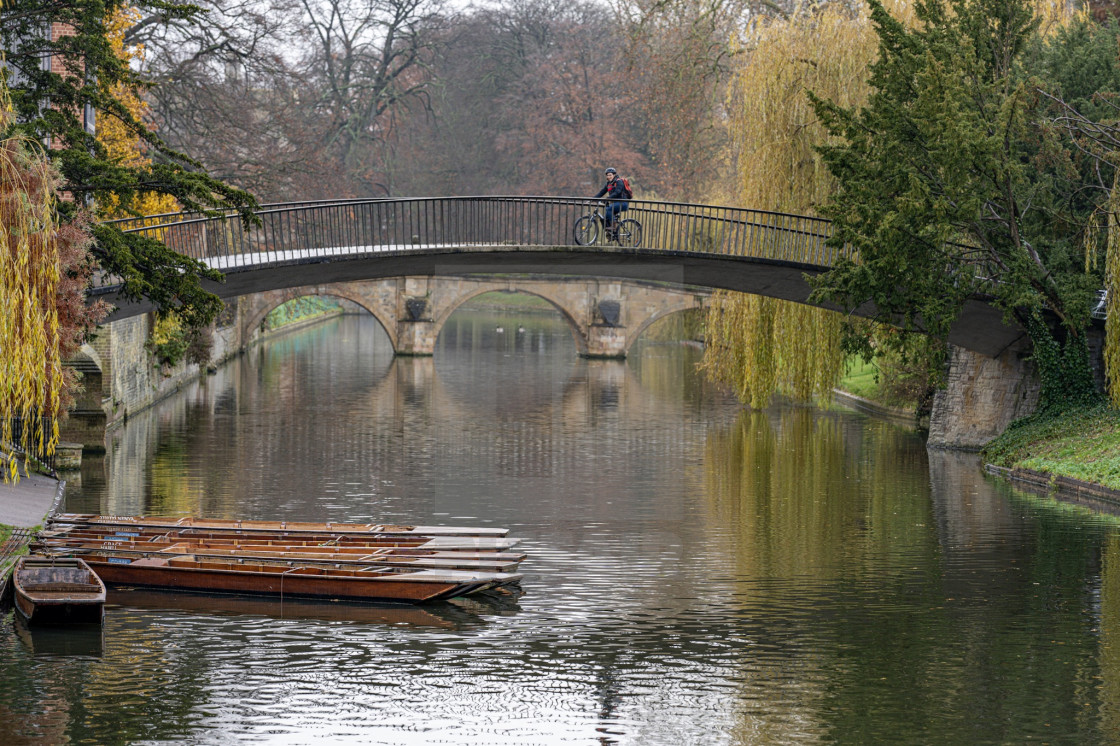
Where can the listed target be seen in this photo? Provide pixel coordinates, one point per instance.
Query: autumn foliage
(44, 270)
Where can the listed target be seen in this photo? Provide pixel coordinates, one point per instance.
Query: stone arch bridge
(605, 316)
(401, 246)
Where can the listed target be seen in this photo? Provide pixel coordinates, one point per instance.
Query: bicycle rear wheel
(586, 231)
(630, 233)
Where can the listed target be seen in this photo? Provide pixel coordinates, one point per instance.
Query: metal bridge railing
(311, 230)
(314, 230)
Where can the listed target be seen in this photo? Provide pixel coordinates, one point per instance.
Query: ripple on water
(698, 574)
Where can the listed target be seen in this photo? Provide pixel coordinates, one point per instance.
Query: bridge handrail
(532, 221)
(304, 205)
(315, 229)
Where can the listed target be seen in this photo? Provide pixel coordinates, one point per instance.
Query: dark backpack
(627, 192)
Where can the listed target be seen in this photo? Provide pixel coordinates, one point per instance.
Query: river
(697, 573)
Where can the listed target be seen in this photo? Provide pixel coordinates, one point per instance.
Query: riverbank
(23, 506)
(1082, 445)
(1076, 454)
(27, 504)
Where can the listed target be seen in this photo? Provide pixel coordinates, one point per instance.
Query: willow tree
(760, 345)
(44, 269)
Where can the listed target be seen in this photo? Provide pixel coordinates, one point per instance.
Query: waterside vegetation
(1081, 443)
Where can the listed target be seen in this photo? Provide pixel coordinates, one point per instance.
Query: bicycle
(627, 233)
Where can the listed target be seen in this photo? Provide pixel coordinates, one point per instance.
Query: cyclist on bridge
(618, 197)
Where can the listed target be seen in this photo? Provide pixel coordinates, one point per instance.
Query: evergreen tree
(57, 80)
(952, 181)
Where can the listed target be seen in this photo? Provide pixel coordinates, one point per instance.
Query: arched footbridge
(312, 244)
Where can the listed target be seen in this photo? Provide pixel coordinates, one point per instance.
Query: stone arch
(93, 355)
(677, 306)
(255, 318)
(87, 361)
(578, 334)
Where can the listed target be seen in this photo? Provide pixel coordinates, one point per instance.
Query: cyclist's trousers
(613, 209)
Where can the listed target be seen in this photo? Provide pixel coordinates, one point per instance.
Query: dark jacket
(615, 189)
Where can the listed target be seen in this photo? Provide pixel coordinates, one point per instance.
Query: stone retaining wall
(1068, 489)
(984, 395)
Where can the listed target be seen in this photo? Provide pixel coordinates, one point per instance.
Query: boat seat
(60, 588)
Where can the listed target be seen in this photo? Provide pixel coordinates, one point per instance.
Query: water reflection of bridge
(387, 424)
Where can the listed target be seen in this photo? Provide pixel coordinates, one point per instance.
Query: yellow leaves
(166, 329)
(30, 369)
(762, 346)
(124, 146)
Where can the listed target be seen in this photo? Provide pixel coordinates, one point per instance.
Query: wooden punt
(325, 555)
(356, 545)
(439, 614)
(57, 590)
(286, 526)
(428, 544)
(295, 579)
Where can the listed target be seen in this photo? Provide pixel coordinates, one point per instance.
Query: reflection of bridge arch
(680, 307)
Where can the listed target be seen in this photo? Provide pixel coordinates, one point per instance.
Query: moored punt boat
(319, 555)
(285, 526)
(428, 544)
(296, 579)
(57, 590)
(438, 614)
(133, 539)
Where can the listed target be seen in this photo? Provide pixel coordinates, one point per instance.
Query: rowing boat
(57, 590)
(290, 578)
(286, 526)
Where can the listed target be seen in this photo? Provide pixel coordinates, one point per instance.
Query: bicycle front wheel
(586, 231)
(630, 234)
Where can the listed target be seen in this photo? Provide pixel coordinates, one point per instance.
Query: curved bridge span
(316, 243)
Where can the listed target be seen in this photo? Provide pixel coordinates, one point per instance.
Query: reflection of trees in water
(669, 372)
(1110, 635)
(934, 604)
(810, 492)
(298, 414)
(122, 684)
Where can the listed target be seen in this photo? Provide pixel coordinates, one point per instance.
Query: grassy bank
(860, 380)
(1083, 444)
(299, 310)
